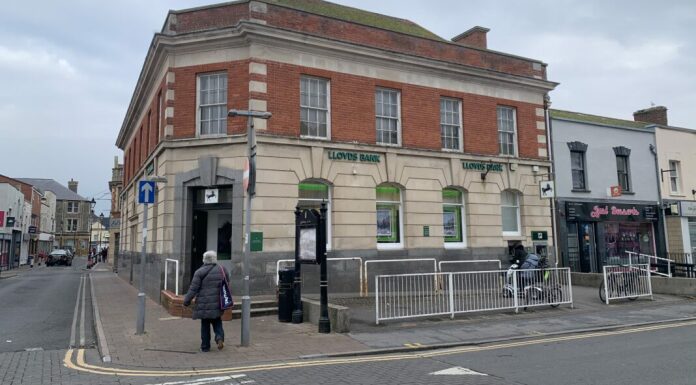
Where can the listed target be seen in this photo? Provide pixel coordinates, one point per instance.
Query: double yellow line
(79, 363)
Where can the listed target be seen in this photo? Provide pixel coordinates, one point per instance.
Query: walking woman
(205, 287)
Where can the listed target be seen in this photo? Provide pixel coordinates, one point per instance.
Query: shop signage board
(32, 230)
(546, 189)
(482, 166)
(211, 195)
(2, 219)
(10, 222)
(426, 231)
(687, 209)
(615, 191)
(594, 212)
(256, 241)
(354, 156)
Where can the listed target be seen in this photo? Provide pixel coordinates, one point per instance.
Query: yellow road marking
(81, 365)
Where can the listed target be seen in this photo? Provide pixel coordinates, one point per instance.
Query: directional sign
(146, 191)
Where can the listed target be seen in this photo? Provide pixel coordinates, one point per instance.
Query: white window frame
(329, 231)
(73, 207)
(71, 222)
(674, 175)
(400, 244)
(328, 108)
(462, 208)
(397, 118)
(518, 197)
(460, 132)
(199, 107)
(514, 127)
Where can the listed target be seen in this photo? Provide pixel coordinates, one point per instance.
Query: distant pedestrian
(103, 255)
(205, 287)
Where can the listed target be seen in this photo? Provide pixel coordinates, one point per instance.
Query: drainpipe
(552, 174)
(663, 236)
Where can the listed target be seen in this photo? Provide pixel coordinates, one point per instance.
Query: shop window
(510, 210)
(623, 169)
(674, 171)
(453, 218)
(507, 131)
(314, 108)
(387, 113)
(212, 104)
(451, 123)
(389, 220)
(310, 196)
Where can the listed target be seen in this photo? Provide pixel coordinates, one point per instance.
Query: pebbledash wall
(264, 54)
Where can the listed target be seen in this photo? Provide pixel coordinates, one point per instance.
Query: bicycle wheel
(533, 295)
(555, 296)
(602, 293)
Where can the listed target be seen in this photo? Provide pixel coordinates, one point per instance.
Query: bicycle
(544, 291)
(619, 284)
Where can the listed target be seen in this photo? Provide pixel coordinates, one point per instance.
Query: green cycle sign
(480, 166)
(354, 156)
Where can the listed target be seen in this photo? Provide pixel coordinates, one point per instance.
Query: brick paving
(173, 343)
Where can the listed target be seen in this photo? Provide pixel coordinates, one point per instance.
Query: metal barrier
(626, 281)
(638, 258)
(496, 261)
(364, 290)
(430, 294)
(176, 269)
(292, 261)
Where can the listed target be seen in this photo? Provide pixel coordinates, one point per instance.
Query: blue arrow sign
(146, 191)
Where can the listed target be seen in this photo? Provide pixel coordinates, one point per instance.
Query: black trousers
(205, 332)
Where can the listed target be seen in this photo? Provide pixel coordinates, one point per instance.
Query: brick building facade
(422, 147)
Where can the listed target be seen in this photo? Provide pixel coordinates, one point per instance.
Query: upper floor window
(314, 107)
(577, 165)
(623, 167)
(73, 207)
(510, 210)
(507, 131)
(674, 183)
(389, 221)
(212, 104)
(387, 116)
(451, 124)
(72, 225)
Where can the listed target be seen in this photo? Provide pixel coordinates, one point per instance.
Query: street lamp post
(92, 203)
(140, 322)
(251, 151)
(101, 230)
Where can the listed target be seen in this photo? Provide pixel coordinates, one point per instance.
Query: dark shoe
(220, 344)
(204, 350)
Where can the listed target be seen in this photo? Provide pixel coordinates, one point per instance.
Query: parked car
(59, 257)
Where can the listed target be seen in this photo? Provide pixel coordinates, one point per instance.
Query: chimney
(72, 185)
(655, 115)
(475, 37)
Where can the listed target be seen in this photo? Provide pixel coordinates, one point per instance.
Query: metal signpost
(146, 195)
(250, 185)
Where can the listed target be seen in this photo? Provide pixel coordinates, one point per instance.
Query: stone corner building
(421, 146)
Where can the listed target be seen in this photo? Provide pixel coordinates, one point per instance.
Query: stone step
(255, 304)
(256, 312)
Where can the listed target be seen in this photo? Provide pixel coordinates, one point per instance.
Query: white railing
(637, 258)
(495, 261)
(364, 290)
(430, 294)
(626, 281)
(292, 261)
(166, 271)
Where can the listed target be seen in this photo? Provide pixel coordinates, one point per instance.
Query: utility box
(286, 278)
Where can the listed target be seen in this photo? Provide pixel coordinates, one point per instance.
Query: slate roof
(359, 16)
(62, 192)
(602, 120)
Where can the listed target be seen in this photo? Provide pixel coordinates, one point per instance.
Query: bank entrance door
(211, 225)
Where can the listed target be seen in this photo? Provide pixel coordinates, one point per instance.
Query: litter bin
(285, 294)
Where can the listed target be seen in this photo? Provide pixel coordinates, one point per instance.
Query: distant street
(38, 309)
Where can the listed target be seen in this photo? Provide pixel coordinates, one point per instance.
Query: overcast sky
(68, 68)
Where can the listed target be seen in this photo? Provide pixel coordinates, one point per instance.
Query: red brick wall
(230, 14)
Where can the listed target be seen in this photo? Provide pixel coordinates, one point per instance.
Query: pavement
(172, 343)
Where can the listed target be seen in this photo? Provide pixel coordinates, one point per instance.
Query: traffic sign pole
(140, 326)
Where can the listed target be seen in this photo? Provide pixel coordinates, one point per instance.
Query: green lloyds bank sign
(480, 166)
(354, 156)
